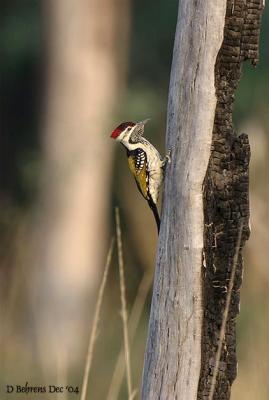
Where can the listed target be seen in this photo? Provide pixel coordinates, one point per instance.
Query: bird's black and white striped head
(127, 132)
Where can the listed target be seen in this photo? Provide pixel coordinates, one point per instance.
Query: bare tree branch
(173, 354)
(205, 198)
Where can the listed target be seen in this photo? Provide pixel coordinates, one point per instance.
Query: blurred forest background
(71, 70)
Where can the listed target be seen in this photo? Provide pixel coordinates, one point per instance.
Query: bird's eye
(129, 128)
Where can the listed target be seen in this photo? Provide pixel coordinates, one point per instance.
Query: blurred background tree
(70, 71)
(86, 71)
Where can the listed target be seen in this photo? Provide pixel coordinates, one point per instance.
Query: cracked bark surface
(226, 200)
(205, 199)
(173, 354)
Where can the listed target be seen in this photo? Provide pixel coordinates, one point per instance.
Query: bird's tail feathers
(155, 211)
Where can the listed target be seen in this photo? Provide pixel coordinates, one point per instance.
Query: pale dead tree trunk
(205, 200)
(87, 46)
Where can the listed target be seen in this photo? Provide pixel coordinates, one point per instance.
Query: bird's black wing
(137, 160)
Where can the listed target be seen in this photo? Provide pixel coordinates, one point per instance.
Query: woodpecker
(145, 162)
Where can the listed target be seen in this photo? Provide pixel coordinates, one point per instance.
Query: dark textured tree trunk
(226, 200)
(205, 201)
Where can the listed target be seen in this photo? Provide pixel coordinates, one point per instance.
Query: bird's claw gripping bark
(167, 158)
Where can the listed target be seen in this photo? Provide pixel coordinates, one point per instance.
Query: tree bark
(226, 199)
(205, 198)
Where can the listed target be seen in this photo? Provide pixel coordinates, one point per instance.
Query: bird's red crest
(121, 128)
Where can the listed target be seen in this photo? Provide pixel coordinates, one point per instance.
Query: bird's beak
(143, 122)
